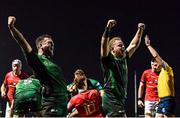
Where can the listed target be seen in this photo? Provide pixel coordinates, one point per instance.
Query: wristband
(140, 99)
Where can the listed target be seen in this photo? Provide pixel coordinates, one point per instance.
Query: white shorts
(8, 108)
(151, 107)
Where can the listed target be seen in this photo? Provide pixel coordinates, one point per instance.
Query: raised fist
(111, 23)
(11, 21)
(141, 25)
(147, 40)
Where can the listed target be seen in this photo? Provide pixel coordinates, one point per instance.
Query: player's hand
(147, 40)
(71, 88)
(111, 23)
(141, 26)
(11, 21)
(140, 104)
(3, 94)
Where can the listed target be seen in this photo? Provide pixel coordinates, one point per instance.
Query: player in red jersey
(9, 84)
(148, 86)
(87, 102)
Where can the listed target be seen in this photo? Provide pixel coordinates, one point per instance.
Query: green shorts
(112, 106)
(25, 102)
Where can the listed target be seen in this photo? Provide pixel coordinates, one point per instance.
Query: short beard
(47, 52)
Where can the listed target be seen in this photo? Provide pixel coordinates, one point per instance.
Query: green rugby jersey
(28, 87)
(93, 84)
(115, 76)
(52, 79)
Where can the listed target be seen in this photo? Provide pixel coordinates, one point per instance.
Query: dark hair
(41, 38)
(79, 72)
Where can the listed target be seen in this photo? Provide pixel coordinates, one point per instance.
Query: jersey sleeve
(96, 84)
(143, 77)
(5, 82)
(169, 70)
(33, 61)
(36, 65)
(105, 61)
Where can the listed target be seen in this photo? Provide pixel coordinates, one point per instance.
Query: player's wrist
(11, 26)
(107, 29)
(148, 45)
(141, 27)
(140, 98)
(106, 32)
(3, 93)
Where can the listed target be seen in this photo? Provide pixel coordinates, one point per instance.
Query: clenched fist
(11, 21)
(141, 25)
(111, 23)
(147, 41)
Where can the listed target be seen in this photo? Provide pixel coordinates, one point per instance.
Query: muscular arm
(104, 43)
(105, 38)
(17, 35)
(153, 52)
(141, 90)
(134, 44)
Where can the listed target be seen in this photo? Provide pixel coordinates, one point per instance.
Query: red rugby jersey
(87, 103)
(10, 81)
(150, 79)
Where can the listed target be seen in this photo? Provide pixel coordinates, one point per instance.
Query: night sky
(77, 27)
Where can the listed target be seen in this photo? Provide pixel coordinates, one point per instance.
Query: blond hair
(111, 42)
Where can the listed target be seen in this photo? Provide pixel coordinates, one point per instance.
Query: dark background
(77, 26)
